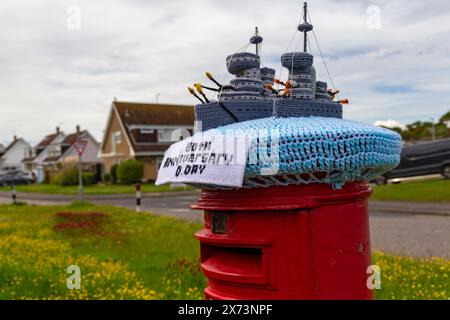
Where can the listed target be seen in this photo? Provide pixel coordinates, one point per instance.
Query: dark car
(422, 159)
(15, 179)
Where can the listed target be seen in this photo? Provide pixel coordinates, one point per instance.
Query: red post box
(295, 242)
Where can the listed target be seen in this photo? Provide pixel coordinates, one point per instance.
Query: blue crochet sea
(314, 150)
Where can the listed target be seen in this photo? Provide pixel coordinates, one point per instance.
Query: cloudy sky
(390, 58)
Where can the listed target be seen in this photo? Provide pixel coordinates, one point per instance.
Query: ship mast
(256, 40)
(305, 27)
(305, 16)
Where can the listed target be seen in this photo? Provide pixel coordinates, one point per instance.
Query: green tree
(445, 118)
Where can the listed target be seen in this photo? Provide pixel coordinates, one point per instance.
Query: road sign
(80, 146)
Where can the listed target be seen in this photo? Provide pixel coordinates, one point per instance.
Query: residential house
(143, 132)
(13, 155)
(35, 160)
(63, 154)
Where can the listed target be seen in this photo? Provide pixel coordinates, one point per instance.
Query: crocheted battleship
(300, 125)
(251, 94)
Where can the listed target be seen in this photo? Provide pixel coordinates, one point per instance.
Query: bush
(130, 171)
(67, 177)
(53, 180)
(106, 178)
(89, 179)
(113, 173)
(47, 179)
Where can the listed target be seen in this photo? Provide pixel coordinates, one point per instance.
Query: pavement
(167, 203)
(405, 228)
(418, 208)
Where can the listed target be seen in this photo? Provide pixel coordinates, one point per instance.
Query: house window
(165, 135)
(54, 151)
(116, 139)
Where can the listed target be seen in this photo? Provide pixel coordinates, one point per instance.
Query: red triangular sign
(80, 146)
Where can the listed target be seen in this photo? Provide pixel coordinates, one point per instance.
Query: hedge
(69, 177)
(130, 171)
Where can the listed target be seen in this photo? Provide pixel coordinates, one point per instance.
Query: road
(420, 230)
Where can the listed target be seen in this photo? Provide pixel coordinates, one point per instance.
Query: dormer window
(56, 151)
(29, 153)
(165, 135)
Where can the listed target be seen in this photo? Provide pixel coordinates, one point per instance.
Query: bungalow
(63, 154)
(143, 132)
(13, 154)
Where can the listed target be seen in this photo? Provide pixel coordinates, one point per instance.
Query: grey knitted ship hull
(288, 107)
(215, 114)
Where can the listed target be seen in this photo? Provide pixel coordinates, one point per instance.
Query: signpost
(80, 146)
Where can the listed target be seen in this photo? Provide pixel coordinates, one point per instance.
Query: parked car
(9, 170)
(15, 179)
(422, 159)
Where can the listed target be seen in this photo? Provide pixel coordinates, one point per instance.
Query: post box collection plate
(219, 223)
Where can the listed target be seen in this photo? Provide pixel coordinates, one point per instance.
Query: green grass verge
(92, 190)
(433, 191)
(125, 255)
(406, 278)
(122, 255)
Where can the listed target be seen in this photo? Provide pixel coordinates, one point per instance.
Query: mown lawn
(433, 191)
(98, 189)
(124, 255)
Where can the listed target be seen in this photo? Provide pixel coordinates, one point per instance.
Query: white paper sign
(218, 160)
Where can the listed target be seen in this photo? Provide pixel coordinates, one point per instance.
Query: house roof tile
(144, 114)
(52, 158)
(71, 138)
(28, 159)
(47, 141)
(155, 114)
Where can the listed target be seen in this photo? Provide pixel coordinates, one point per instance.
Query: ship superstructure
(252, 93)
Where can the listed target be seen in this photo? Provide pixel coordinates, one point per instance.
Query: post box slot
(233, 263)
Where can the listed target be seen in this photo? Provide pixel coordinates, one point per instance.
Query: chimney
(15, 138)
(57, 130)
(78, 129)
